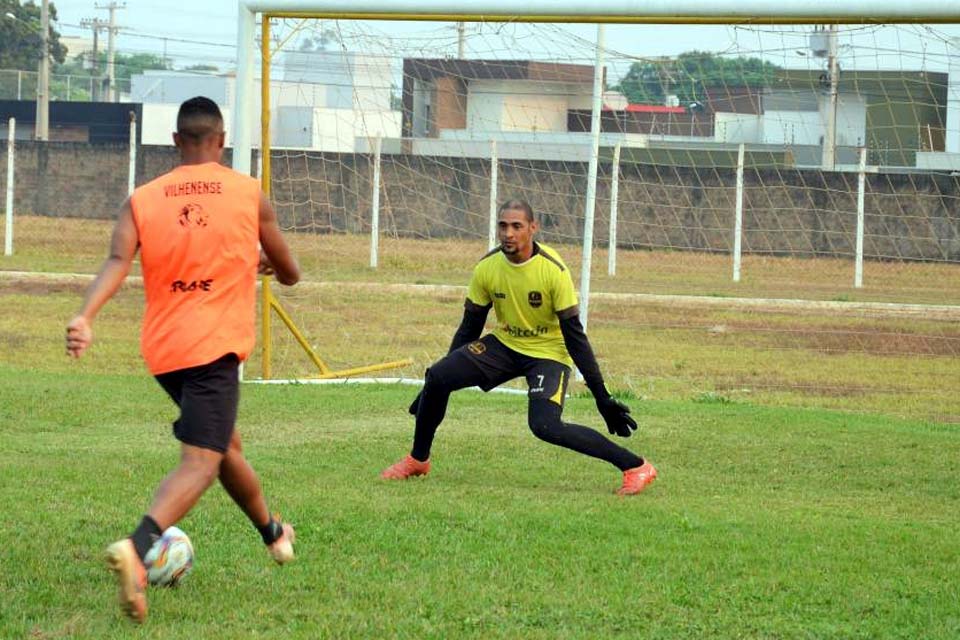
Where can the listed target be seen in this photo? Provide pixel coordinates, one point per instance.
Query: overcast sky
(204, 31)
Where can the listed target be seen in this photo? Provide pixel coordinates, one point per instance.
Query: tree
(20, 37)
(125, 65)
(643, 83)
(319, 41)
(689, 74)
(203, 68)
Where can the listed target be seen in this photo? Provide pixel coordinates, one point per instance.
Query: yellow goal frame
(268, 301)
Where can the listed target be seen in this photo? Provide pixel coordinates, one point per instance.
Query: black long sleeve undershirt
(471, 326)
(575, 339)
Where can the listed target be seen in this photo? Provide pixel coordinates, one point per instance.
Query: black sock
(147, 532)
(271, 531)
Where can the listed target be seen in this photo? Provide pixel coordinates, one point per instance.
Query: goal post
(387, 137)
(268, 301)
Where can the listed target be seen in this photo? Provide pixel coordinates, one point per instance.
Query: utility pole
(96, 25)
(42, 127)
(112, 28)
(830, 135)
(461, 37)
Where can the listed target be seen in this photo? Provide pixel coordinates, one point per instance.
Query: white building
(458, 107)
(483, 96)
(795, 119)
(173, 87)
(953, 101)
(331, 99)
(78, 47)
(325, 101)
(950, 160)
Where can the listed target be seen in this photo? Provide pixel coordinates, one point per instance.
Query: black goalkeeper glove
(415, 405)
(617, 416)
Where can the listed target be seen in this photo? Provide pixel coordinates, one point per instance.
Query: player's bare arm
(123, 248)
(279, 260)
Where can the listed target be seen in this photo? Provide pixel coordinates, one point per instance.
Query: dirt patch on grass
(826, 333)
(872, 341)
(10, 341)
(26, 283)
(839, 339)
(833, 390)
(39, 287)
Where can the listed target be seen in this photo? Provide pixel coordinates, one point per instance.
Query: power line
(149, 36)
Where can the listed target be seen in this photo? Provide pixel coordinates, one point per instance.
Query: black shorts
(488, 363)
(208, 396)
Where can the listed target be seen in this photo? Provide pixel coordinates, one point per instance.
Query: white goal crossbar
(614, 11)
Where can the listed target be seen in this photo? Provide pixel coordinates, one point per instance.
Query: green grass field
(809, 470)
(764, 523)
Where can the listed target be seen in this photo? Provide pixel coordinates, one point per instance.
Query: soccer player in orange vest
(538, 336)
(197, 229)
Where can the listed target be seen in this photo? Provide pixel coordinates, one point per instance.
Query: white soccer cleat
(282, 548)
(131, 577)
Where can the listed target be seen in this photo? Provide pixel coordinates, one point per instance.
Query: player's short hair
(521, 205)
(199, 118)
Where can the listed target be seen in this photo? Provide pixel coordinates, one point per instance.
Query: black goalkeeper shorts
(208, 396)
(488, 363)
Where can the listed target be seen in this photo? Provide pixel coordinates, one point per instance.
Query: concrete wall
(801, 213)
(80, 180)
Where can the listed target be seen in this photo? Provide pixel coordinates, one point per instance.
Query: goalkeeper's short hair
(519, 204)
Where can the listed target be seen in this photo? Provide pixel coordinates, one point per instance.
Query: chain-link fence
(17, 84)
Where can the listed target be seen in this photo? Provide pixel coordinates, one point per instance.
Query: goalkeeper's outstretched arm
(615, 413)
(471, 326)
(578, 346)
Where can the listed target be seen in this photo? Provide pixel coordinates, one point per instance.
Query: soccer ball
(169, 559)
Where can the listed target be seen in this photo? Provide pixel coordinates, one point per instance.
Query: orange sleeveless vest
(199, 232)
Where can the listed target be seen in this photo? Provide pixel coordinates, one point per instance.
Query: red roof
(654, 108)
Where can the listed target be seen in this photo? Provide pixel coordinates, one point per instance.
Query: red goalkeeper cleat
(122, 559)
(406, 468)
(636, 479)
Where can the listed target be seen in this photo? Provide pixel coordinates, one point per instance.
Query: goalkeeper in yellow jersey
(539, 337)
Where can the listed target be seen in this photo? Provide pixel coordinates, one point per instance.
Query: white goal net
(776, 207)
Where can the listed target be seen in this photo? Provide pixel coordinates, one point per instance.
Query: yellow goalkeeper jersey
(529, 299)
